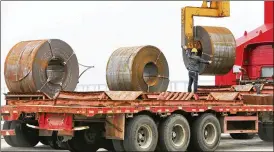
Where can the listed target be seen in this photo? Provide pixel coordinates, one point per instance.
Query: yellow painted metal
(194, 50)
(216, 9)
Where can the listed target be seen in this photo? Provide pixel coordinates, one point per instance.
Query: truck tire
(55, 143)
(25, 136)
(6, 126)
(242, 135)
(83, 141)
(107, 144)
(177, 126)
(118, 145)
(265, 132)
(44, 140)
(144, 128)
(205, 133)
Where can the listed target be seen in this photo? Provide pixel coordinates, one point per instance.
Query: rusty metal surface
(239, 118)
(100, 95)
(12, 112)
(175, 96)
(223, 95)
(123, 95)
(30, 102)
(41, 65)
(115, 103)
(115, 126)
(248, 87)
(258, 99)
(7, 132)
(117, 98)
(211, 88)
(218, 44)
(102, 98)
(91, 103)
(31, 96)
(142, 68)
(268, 87)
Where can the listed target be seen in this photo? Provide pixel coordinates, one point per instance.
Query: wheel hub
(210, 133)
(178, 135)
(90, 136)
(173, 134)
(144, 136)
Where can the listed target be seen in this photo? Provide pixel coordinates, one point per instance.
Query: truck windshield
(267, 72)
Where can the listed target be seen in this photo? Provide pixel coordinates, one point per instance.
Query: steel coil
(41, 65)
(141, 68)
(218, 45)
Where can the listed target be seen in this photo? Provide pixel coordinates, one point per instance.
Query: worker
(193, 68)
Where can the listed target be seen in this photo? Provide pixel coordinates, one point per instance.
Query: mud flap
(114, 126)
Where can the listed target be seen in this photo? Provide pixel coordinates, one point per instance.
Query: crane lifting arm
(216, 9)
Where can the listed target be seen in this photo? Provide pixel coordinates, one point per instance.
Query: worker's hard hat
(194, 50)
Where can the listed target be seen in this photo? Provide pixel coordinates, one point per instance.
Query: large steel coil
(142, 68)
(217, 44)
(41, 65)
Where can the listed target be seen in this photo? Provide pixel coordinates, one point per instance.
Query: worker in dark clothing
(193, 68)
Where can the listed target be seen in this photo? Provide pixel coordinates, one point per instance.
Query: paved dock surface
(227, 144)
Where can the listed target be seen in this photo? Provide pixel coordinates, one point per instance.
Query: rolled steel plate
(41, 65)
(218, 45)
(141, 68)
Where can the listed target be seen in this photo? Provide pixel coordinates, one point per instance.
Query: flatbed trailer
(137, 121)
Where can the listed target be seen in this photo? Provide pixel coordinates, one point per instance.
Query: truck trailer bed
(109, 102)
(69, 112)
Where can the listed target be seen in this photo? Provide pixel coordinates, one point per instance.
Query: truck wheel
(174, 133)
(84, 141)
(25, 136)
(242, 135)
(205, 133)
(265, 132)
(61, 144)
(55, 142)
(32, 135)
(44, 140)
(118, 145)
(6, 126)
(141, 134)
(107, 144)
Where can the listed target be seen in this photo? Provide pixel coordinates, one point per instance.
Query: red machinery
(254, 53)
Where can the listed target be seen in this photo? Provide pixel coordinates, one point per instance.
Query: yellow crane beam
(216, 9)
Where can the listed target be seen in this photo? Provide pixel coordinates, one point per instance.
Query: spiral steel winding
(41, 65)
(217, 44)
(141, 68)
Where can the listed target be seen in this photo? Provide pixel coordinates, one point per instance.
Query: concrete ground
(227, 144)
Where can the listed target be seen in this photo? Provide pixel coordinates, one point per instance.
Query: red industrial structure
(254, 51)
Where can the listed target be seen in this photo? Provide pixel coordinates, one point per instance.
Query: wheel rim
(89, 136)
(60, 138)
(144, 136)
(59, 141)
(210, 133)
(177, 135)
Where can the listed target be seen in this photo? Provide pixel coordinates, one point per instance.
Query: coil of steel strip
(217, 44)
(141, 68)
(41, 65)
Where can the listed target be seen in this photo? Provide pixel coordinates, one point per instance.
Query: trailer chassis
(109, 114)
